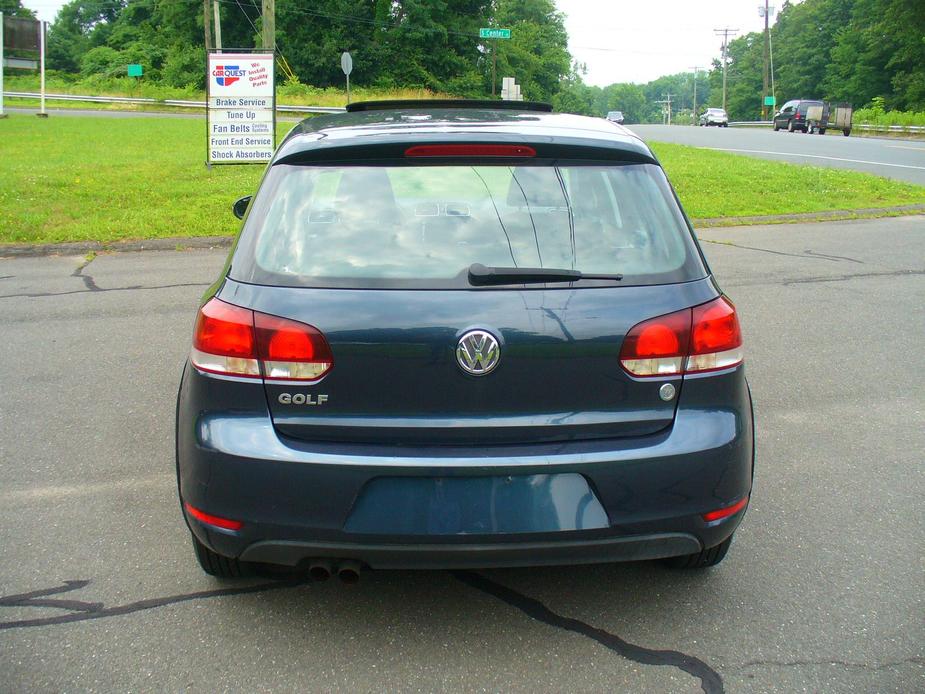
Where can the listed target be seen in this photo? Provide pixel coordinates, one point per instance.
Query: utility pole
(218, 26)
(207, 24)
(667, 101)
(726, 31)
(695, 68)
(764, 72)
(269, 25)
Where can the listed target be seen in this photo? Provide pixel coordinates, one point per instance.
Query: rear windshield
(423, 226)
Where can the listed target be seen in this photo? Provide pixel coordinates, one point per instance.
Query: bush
(184, 66)
(102, 61)
(874, 114)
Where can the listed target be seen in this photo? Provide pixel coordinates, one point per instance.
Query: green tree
(14, 8)
(803, 38)
(574, 96)
(537, 52)
(880, 51)
(630, 99)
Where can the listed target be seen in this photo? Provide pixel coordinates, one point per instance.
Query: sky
(626, 40)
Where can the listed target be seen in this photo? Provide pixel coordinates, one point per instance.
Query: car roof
(387, 128)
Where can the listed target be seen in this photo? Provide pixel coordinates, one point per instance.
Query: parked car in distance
(802, 115)
(714, 116)
(462, 334)
(615, 117)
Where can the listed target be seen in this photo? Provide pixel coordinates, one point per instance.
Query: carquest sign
(241, 114)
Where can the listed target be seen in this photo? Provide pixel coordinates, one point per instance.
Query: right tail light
(692, 340)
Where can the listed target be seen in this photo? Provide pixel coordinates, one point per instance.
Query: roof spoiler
(481, 104)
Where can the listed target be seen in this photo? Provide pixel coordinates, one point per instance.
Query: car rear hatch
(397, 377)
(384, 263)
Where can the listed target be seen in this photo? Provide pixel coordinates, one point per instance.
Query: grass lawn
(719, 184)
(105, 179)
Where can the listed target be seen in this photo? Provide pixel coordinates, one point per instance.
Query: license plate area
(510, 504)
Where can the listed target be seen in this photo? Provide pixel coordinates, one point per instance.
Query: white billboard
(241, 115)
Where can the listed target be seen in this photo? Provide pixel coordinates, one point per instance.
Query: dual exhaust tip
(348, 570)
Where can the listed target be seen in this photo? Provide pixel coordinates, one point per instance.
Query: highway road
(903, 160)
(822, 590)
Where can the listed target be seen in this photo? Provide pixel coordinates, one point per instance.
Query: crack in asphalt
(828, 661)
(832, 257)
(860, 275)
(807, 254)
(831, 278)
(136, 287)
(710, 680)
(88, 280)
(79, 611)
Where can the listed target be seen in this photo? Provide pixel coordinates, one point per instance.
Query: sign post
(2, 114)
(346, 64)
(495, 34)
(241, 114)
(42, 113)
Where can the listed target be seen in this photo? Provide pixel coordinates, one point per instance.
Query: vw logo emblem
(478, 352)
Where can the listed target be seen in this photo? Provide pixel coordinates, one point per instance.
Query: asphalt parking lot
(822, 590)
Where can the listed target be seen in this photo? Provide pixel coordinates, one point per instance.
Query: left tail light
(692, 340)
(236, 341)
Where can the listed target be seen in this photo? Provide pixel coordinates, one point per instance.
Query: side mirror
(240, 206)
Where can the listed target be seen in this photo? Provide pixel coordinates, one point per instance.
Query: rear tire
(822, 131)
(700, 560)
(217, 565)
(847, 131)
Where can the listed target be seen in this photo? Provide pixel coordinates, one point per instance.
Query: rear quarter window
(423, 226)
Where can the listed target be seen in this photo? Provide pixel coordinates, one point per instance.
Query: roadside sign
(486, 33)
(770, 101)
(135, 70)
(21, 33)
(241, 120)
(346, 64)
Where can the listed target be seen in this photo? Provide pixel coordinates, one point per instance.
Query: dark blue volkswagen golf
(463, 334)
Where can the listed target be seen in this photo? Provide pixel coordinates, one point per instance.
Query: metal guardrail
(890, 128)
(856, 126)
(160, 102)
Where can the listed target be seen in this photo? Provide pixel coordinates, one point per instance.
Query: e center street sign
(486, 33)
(241, 117)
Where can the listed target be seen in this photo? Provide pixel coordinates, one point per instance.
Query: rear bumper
(299, 500)
(476, 555)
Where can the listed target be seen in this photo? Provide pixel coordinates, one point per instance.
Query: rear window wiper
(480, 275)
